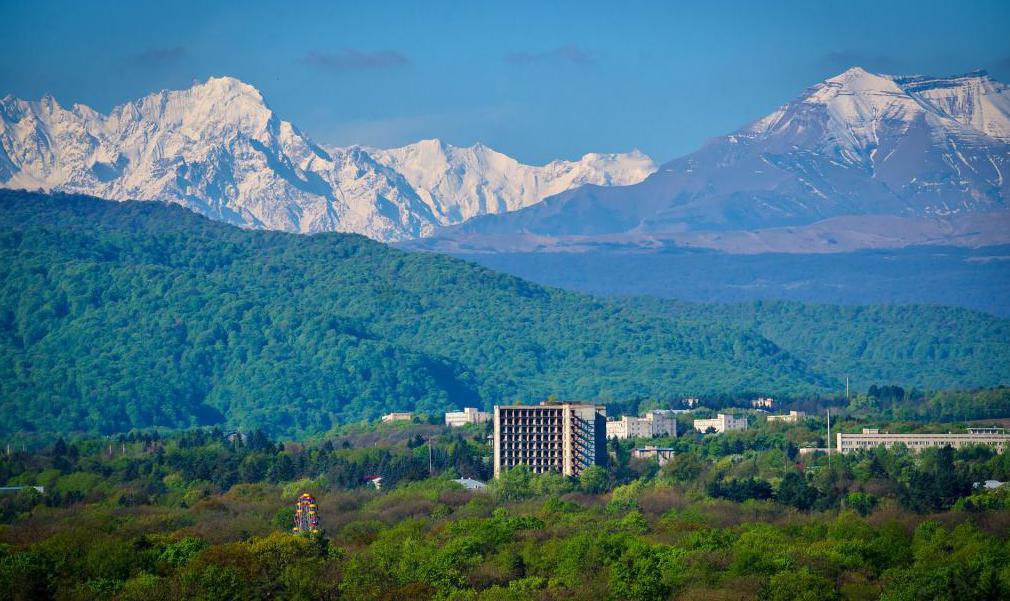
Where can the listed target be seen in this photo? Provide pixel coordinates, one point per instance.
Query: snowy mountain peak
(859, 80)
(227, 86)
(851, 111)
(857, 159)
(458, 183)
(974, 100)
(219, 149)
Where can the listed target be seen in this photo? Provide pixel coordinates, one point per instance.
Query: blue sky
(537, 80)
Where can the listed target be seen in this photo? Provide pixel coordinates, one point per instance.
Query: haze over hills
(858, 161)
(218, 149)
(139, 314)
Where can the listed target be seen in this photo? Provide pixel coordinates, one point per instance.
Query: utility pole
(846, 388)
(829, 438)
(431, 469)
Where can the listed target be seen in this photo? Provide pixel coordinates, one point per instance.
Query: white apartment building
(994, 438)
(469, 415)
(792, 418)
(658, 422)
(721, 423)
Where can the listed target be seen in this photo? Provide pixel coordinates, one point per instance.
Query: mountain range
(866, 188)
(858, 161)
(218, 149)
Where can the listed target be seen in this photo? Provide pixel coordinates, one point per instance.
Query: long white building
(791, 418)
(658, 422)
(994, 438)
(721, 423)
(469, 415)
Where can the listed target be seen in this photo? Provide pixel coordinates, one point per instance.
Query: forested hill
(926, 346)
(122, 315)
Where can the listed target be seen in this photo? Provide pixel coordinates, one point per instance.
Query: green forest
(116, 316)
(201, 514)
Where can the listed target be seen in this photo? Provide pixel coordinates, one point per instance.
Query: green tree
(594, 479)
(513, 484)
(800, 585)
(794, 491)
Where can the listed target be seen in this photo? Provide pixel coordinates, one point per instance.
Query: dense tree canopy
(205, 515)
(122, 315)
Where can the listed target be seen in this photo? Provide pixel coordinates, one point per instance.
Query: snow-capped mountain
(218, 149)
(460, 183)
(859, 144)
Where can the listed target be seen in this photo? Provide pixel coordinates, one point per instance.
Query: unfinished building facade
(550, 437)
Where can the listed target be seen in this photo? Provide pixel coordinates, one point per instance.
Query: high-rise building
(658, 422)
(550, 437)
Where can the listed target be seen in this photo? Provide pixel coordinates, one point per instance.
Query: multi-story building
(994, 438)
(397, 416)
(721, 423)
(792, 418)
(662, 454)
(549, 437)
(469, 415)
(658, 422)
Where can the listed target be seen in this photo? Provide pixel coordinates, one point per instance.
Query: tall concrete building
(996, 439)
(658, 422)
(550, 437)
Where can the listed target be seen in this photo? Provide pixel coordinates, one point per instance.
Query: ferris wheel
(306, 515)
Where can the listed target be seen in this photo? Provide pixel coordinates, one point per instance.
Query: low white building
(471, 484)
(662, 454)
(397, 416)
(721, 423)
(469, 415)
(995, 438)
(658, 422)
(763, 402)
(792, 418)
